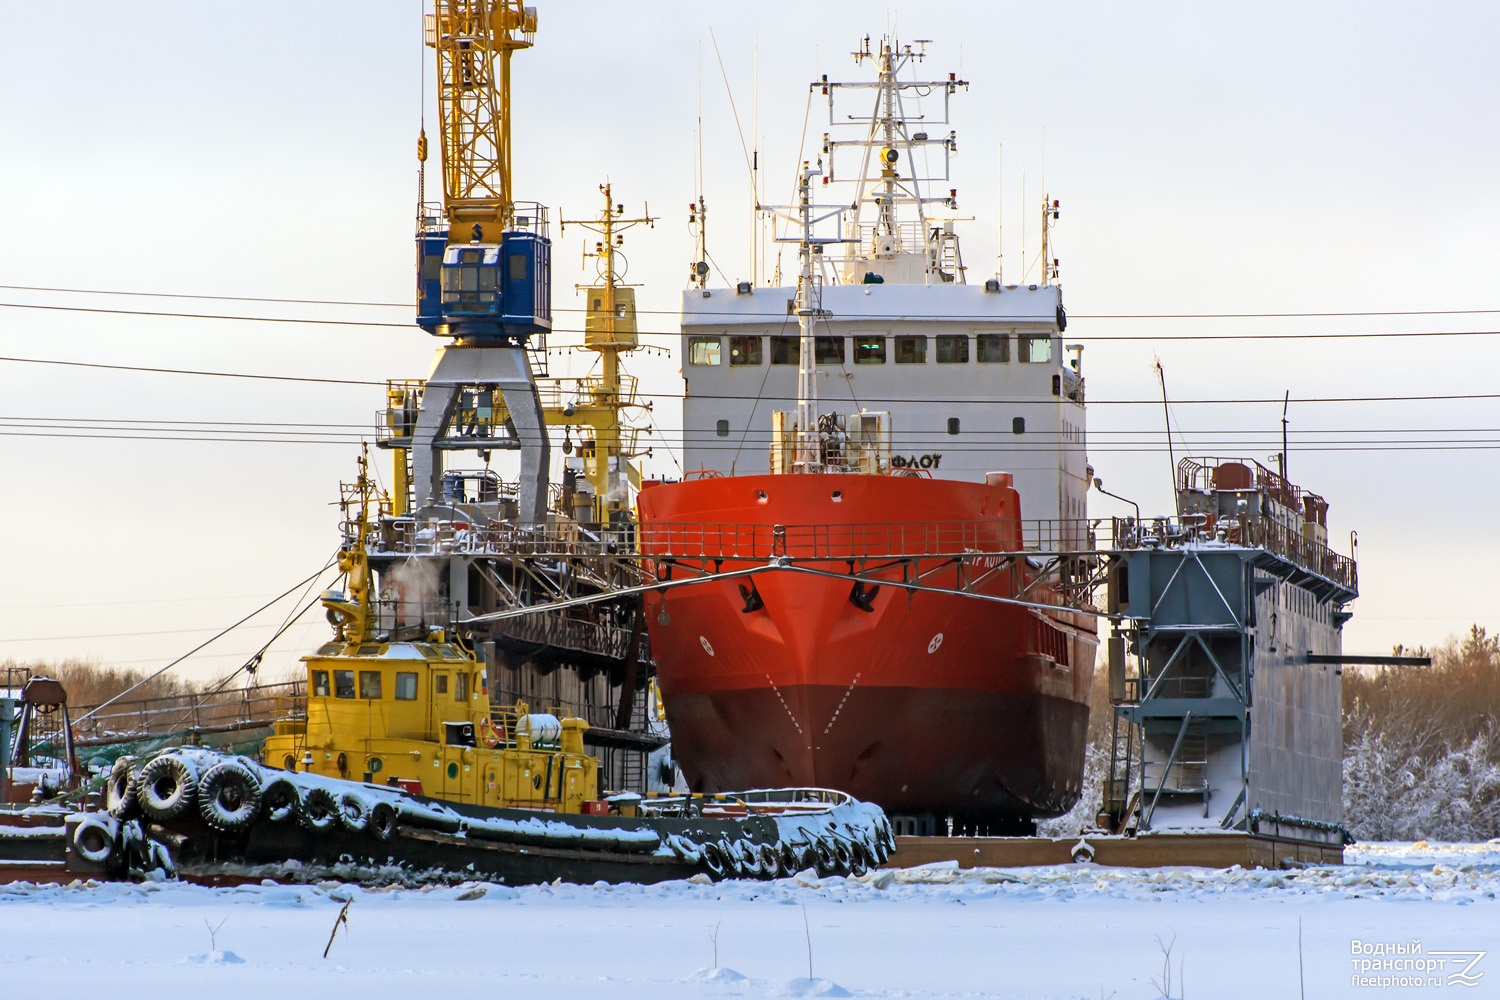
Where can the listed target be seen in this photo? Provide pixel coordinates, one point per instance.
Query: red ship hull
(928, 695)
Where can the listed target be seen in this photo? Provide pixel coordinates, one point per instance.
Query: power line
(723, 396)
(1329, 314)
(771, 318)
(190, 371)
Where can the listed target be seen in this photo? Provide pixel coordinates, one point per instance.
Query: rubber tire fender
(94, 840)
(770, 861)
(791, 858)
(685, 849)
(166, 789)
(843, 860)
(318, 810)
(383, 821)
(747, 859)
(280, 800)
(229, 796)
(713, 862)
(121, 790)
(354, 811)
(827, 863)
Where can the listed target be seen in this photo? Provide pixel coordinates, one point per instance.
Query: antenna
(1282, 462)
(1000, 217)
(1161, 376)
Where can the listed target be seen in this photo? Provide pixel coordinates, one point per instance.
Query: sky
(1218, 167)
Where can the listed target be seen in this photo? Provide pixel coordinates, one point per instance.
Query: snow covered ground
(1072, 931)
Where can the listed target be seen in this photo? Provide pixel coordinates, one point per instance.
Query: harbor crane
(484, 265)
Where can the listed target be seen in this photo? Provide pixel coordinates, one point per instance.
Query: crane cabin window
(869, 350)
(784, 350)
(911, 350)
(953, 350)
(992, 348)
(745, 351)
(829, 350)
(1036, 348)
(705, 351)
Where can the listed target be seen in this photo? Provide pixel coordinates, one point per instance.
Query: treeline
(91, 684)
(1422, 747)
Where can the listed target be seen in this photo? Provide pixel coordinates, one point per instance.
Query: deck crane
(484, 260)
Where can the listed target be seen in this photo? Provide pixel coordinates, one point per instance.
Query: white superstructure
(976, 376)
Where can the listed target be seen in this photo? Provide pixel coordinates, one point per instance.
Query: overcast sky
(1210, 159)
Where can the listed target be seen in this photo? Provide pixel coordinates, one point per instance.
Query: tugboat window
(320, 683)
(869, 350)
(953, 350)
(705, 351)
(406, 687)
(461, 687)
(1018, 425)
(952, 425)
(722, 428)
(911, 350)
(440, 684)
(993, 348)
(369, 683)
(745, 351)
(343, 684)
(784, 350)
(829, 350)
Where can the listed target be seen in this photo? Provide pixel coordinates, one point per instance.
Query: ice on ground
(1063, 932)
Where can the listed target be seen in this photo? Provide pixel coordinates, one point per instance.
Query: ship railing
(211, 711)
(1250, 532)
(473, 535)
(738, 540)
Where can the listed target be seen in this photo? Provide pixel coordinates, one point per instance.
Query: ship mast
(809, 452)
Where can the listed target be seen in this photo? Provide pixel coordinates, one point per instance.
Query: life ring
(229, 796)
(318, 810)
(382, 822)
(121, 790)
(94, 839)
(166, 788)
(354, 812)
(685, 849)
(279, 798)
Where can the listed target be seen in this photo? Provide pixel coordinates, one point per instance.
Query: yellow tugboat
(410, 709)
(395, 759)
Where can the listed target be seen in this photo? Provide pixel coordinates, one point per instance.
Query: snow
(1067, 932)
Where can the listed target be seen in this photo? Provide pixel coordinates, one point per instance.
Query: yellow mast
(610, 330)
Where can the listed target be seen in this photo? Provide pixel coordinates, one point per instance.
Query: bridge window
(869, 350)
(911, 350)
(406, 686)
(343, 684)
(705, 351)
(992, 348)
(829, 350)
(784, 350)
(953, 350)
(461, 687)
(369, 683)
(320, 683)
(1036, 348)
(745, 351)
